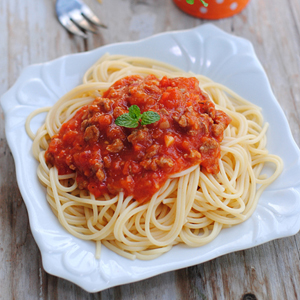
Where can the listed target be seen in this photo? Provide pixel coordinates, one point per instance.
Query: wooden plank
(6, 164)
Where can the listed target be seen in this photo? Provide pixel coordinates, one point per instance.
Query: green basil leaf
(149, 117)
(126, 121)
(134, 112)
(190, 1)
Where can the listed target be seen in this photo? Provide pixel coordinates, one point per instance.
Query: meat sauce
(108, 158)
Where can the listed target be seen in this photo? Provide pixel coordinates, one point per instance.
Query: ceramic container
(216, 9)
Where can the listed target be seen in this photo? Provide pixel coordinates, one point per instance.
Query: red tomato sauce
(108, 158)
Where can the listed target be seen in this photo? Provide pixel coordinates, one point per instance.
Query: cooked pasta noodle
(193, 206)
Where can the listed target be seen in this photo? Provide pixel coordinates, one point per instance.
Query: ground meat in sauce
(108, 158)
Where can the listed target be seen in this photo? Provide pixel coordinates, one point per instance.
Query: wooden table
(30, 33)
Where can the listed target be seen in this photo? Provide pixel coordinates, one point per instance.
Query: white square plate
(204, 50)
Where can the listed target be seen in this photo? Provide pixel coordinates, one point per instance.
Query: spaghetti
(192, 206)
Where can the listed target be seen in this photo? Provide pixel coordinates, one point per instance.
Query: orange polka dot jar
(216, 9)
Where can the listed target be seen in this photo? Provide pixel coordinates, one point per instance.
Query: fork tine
(74, 15)
(79, 20)
(70, 26)
(91, 17)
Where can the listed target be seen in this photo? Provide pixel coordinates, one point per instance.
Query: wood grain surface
(30, 33)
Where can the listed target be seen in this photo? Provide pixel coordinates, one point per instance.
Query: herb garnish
(192, 2)
(134, 118)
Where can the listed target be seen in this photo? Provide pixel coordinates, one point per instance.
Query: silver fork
(77, 17)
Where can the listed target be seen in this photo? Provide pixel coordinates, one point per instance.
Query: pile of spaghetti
(166, 188)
